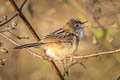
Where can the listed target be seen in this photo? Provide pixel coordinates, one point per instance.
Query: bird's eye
(77, 25)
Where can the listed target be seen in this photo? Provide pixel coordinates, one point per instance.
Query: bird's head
(75, 26)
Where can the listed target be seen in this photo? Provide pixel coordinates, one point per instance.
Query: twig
(17, 44)
(96, 54)
(8, 20)
(23, 4)
(29, 26)
(53, 65)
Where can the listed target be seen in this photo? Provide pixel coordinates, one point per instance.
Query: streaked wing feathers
(58, 36)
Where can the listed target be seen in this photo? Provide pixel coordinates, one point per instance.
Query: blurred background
(101, 34)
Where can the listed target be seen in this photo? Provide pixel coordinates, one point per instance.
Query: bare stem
(97, 54)
(17, 44)
(8, 20)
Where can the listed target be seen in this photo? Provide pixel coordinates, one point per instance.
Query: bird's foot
(71, 58)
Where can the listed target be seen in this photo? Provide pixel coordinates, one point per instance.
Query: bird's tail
(27, 45)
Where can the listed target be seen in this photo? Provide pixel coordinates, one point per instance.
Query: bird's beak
(84, 22)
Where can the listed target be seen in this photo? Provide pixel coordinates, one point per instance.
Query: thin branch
(96, 54)
(29, 26)
(17, 44)
(22, 5)
(8, 20)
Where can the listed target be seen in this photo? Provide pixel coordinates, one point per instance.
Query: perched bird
(61, 43)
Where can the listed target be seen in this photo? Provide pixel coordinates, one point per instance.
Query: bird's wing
(59, 36)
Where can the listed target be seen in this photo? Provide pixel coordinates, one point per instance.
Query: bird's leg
(60, 60)
(71, 58)
(51, 58)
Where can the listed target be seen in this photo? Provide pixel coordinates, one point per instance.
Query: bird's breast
(61, 50)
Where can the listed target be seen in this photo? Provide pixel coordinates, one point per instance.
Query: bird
(61, 43)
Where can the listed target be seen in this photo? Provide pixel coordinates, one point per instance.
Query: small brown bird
(62, 42)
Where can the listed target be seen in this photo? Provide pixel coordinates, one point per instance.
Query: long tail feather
(27, 45)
